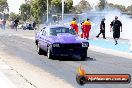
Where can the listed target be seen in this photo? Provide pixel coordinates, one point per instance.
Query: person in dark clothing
(16, 23)
(82, 35)
(30, 27)
(116, 25)
(34, 25)
(102, 29)
(4, 23)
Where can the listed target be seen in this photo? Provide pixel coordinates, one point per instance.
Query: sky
(15, 4)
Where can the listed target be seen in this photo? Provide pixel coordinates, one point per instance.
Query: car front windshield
(55, 31)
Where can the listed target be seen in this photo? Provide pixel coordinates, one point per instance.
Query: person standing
(3, 24)
(34, 25)
(102, 28)
(16, 23)
(86, 28)
(74, 25)
(82, 35)
(12, 24)
(116, 25)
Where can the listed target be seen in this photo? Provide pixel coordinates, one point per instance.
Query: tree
(102, 4)
(119, 7)
(68, 6)
(13, 16)
(56, 6)
(3, 5)
(25, 11)
(83, 6)
(3, 9)
(129, 9)
(38, 9)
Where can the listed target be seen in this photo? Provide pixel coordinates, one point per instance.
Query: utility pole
(47, 11)
(62, 10)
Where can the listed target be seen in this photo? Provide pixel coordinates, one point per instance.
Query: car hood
(66, 38)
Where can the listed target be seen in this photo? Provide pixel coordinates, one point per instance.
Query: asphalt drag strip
(22, 56)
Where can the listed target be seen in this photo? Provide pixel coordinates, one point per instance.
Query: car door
(42, 39)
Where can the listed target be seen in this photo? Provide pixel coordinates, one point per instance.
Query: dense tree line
(83, 6)
(37, 9)
(3, 5)
(122, 8)
(4, 8)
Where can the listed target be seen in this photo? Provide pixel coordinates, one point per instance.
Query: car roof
(55, 26)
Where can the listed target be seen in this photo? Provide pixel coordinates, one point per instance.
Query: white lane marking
(111, 52)
(32, 38)
(50, 81)
(5, 82)
(4, 66)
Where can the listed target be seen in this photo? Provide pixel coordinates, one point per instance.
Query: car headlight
(56, 45)
(84, 44)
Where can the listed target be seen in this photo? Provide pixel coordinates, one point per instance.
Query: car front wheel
(83, 57)
(49, 53)
(39, 50)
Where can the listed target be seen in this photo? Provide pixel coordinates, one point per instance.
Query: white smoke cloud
(126, 23)
(110, 16)
(96, 17)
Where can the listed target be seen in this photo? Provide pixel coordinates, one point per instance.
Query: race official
(74, 25)
(86, 28)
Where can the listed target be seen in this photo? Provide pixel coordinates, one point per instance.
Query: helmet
(88, 19)
(116, 17)
(74, 18)
(103, 19)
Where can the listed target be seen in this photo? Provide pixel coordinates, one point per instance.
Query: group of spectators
(115, 26)
(15, 23)
(2, 24)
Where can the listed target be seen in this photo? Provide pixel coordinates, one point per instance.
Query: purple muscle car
(60, 41)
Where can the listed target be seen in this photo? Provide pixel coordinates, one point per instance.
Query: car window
(55, 31)
(41, 30)
(44, 33)
(48, 32)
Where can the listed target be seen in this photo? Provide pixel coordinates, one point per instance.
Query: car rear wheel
(39, 50)
(49, 53)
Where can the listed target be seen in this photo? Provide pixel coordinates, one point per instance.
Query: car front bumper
(69, 51)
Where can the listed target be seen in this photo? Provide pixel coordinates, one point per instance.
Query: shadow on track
(72, 58)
